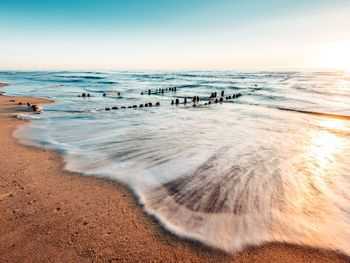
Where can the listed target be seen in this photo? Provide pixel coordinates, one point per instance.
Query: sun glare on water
(325, 143)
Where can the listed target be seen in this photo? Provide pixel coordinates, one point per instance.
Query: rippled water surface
(271, 165)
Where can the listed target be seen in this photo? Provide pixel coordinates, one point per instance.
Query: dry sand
(49, 215)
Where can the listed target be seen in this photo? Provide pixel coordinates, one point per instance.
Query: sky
(174, 35)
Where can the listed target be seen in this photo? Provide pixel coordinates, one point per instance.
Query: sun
(336, 56)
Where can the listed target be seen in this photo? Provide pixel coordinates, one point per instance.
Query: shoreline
(48, 214)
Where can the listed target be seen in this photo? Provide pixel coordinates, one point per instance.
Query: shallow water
(272, 165)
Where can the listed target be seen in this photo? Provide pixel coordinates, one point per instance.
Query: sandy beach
(50, 215)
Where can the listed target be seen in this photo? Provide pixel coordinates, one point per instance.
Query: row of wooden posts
(195, 99)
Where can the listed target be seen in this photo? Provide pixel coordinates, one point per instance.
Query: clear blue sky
(192, 34)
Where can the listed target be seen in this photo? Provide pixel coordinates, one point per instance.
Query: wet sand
(49, 215)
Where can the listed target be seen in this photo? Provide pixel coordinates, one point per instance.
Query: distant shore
(50, 215)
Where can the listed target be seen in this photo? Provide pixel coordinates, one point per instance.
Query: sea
(269, 161)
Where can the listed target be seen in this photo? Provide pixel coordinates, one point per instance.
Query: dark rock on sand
(36, 108)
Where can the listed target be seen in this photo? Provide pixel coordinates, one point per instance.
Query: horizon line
(178, 69)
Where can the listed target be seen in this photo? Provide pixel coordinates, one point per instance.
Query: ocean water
(271, 165)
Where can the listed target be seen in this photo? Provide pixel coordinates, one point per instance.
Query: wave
(107, 82)
(317, 113)
(90, 77)
(242, 205)
(323, 114)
